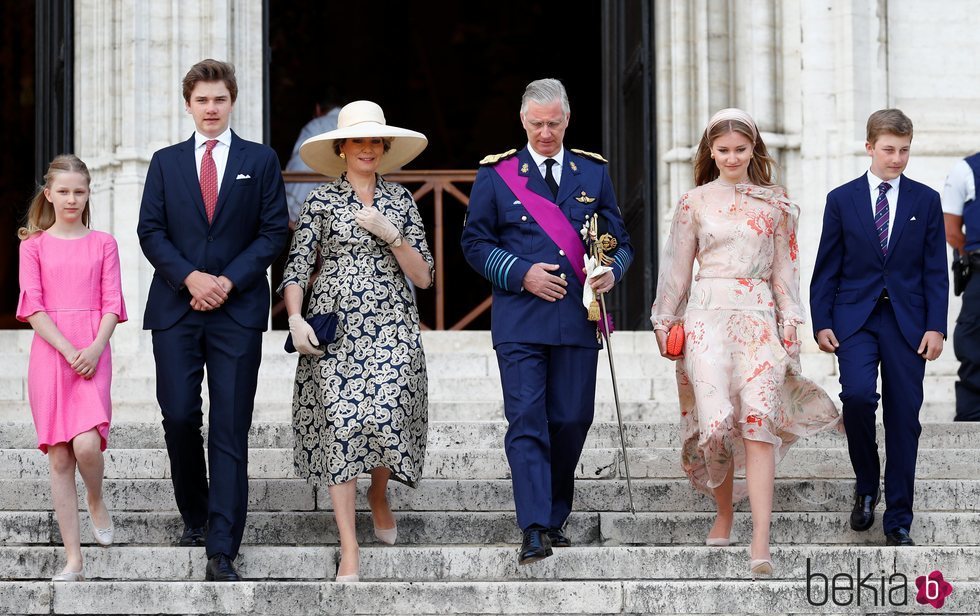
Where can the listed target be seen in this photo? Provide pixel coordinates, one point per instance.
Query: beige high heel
(386, 535)
(69, 576)
(759, 567)
(355, 577)
(718, 542)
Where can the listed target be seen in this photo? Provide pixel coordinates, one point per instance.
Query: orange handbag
(675, 340)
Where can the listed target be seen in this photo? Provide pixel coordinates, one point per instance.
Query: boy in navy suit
(212, 219)
(879, 296)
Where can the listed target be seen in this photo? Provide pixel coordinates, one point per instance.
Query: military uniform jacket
(501, 241)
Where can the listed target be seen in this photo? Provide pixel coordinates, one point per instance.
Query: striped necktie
(881, 216)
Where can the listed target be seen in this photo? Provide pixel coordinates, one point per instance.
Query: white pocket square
(243, 176)
(911, 219)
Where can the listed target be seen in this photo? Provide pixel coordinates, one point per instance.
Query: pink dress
(75, 281)
(737, 379)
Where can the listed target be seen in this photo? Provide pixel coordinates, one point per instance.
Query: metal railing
(423, 184)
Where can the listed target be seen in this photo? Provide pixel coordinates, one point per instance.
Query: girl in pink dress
(70, 294)
(743, 398)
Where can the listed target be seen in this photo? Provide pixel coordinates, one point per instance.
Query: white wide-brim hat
(361, 119)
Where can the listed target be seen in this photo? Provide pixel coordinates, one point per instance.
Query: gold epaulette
(592, 155)
(495, 158)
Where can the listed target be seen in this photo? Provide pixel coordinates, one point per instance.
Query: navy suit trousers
(880, 342)
(232, 354)
(549, 401)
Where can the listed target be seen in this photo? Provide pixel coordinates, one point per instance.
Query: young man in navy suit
(879, 296)
(212, 219)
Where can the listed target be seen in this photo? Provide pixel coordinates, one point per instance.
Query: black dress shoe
(536, 546)
(193, 537)
(898, 537)
(863, 514)
(221, 569)
(558, 538)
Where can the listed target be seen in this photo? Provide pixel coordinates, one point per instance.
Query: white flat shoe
(386, 535)
(103, 536)
(69, 576)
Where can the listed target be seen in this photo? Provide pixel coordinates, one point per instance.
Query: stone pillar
(130, 58)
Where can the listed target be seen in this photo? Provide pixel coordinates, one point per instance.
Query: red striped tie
(209, 179)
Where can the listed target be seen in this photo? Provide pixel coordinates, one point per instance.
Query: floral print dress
(737, 379)
(364, 403)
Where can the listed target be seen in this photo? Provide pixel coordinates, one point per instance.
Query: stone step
(280, 410)
(471, 463)
(464, 364)
(518, 597)
(280, 389)
(443, 387)
(160, 528)
(412, 563)
(496, 495)
(490, 434)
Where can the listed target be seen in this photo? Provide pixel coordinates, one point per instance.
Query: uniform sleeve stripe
(498, 266)
(623, 258)
(488, 269)
(495, 272)
(501, 281)
(619, 262)
(510, 264)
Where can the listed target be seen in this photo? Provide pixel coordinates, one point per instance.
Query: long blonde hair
(761, 165)
(40, 214)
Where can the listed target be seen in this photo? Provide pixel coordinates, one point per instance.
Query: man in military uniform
(522, 234)
(962, 210)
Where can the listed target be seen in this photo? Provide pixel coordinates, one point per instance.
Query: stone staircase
(457, 537)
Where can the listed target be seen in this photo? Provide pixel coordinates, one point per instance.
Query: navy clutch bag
(324, 326)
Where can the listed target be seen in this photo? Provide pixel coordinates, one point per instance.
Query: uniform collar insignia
(523, 168)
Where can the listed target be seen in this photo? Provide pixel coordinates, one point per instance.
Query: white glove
(591, 271)
(370, 219)
(303, 337)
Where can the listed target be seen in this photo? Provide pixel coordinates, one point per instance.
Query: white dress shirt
(892, 195)
(959, 188)
(539, 161)
(219, 153)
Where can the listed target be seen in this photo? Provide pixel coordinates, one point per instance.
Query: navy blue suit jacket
(851, 272)
(501, 241)
(249, 230)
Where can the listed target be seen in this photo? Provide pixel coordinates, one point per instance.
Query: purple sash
(547, 214)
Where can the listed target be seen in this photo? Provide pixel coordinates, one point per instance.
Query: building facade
(810, 71)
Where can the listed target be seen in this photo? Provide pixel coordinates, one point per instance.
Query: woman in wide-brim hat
(360, 400)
